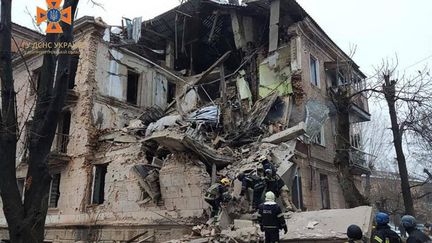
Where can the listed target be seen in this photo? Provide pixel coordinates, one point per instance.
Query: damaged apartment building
(161, 108)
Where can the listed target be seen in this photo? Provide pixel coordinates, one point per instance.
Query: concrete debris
(135, 124)
(311, 225)
(328, 224)
(178, 142)
(148, 177)
(163, 123)
(286, 135)
(210, 89)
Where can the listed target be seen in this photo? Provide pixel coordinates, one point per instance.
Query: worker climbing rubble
(271, 218)
(255, 183)
(276, 185)
(216, 194)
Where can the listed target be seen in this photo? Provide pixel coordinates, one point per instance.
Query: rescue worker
(271, 219)
(355, 234)
(216, 194)
(254, 182)
(266, 164)
(382, 232)
(276, 185)
(415, 235)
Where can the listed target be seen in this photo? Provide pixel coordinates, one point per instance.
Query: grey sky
(379, 28)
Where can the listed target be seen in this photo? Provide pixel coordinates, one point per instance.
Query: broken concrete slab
(163, 123)
(287, 134)
(281, 156)
(327, 224)
(148, 178)
(242, 223)
(259, 110)
(179, 142)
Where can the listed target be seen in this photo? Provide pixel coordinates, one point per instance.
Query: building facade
(113, 180)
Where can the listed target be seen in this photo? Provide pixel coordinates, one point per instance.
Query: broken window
(297, 191)
(21, 183)
(320, 137)
(63, 129)
(314, 71)
(132, 87)
(325, 192)
(171, 92)
(99, 173)
(54, 193)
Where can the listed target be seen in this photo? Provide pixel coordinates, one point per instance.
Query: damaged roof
(163, 27)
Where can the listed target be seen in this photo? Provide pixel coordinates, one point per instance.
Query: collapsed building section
(161, 109)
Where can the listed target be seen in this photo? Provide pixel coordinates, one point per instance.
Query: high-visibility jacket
(383, 234)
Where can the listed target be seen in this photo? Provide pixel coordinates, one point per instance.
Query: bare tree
(404, 97)
(26, 220)
(375, 143)
(342, 100)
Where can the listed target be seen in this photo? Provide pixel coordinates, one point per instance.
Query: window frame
(321, 135)
(314, 68)
(103, 170)
(131, 73)
(325, 194)
(51, 192)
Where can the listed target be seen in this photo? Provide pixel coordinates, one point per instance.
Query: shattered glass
(316, 115)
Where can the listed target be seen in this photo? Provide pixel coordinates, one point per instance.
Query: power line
(422, 60)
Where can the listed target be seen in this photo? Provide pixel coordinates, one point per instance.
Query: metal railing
(358, 158)
(60, 143)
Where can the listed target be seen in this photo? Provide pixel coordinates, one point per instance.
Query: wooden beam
(157, 34)
(223, 87)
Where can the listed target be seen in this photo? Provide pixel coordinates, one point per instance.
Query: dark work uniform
(383, 234)
(258, 186)
(274, 184)
(416, 236)
(267, 165)
(214, 196)
(271, 220)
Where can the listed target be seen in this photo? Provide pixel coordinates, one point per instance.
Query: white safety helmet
(270, 197)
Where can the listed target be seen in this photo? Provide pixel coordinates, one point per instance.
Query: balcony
(358, 161)
(71, 97)
(359, 110)
(347, 74)
(58, 157)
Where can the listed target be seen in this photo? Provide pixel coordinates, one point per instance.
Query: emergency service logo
(53, 16)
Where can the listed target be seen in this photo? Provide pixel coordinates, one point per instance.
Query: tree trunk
(389, 88)
(26, 221)
(368, 186)
(352, 195)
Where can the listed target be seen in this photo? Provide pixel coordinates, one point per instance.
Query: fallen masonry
(314, 226)
(162, 109)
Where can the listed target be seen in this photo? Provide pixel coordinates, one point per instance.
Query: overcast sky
(379, 28)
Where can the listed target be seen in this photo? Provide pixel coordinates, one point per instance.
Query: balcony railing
(60, 143)
(358, 161)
